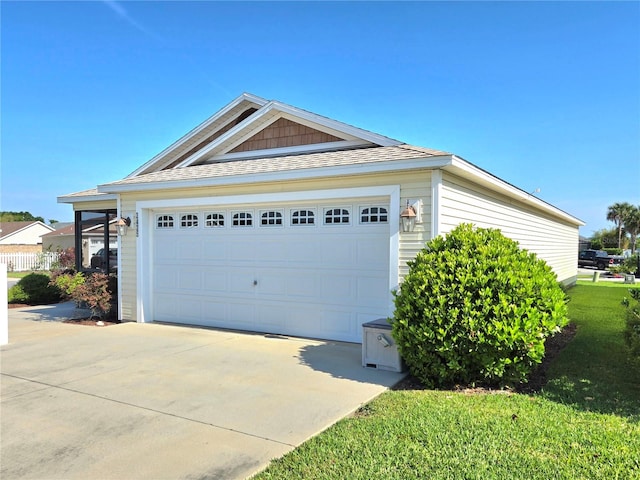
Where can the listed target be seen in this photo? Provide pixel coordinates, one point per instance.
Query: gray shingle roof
(339, 158)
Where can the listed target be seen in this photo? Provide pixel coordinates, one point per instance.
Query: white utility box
(379, 349)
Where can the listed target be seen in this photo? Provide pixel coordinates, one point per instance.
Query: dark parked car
(597, 258)
(99, 260)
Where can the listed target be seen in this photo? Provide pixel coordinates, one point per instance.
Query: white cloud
(122, 13)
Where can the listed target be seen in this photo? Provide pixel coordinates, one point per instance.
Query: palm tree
(631, 223)
(616, 214)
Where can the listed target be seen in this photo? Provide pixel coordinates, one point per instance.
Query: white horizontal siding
(413, 186)
(127, 273)
(554, 241)
(419, 188)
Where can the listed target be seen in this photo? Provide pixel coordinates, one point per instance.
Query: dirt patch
(537, 379)
(18, 305)
(91, 322)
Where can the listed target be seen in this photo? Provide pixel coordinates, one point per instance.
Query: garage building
(269, 218)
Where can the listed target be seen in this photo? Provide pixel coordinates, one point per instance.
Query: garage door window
(336, 215)
(214, 220)
(189, 220)
(373, 215)
(270, 219)
(242, 219)
(303, 217)
(164, 221)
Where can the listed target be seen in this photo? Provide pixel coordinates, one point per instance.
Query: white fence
(22, 262)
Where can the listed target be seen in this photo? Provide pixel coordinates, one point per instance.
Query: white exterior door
(314, 269)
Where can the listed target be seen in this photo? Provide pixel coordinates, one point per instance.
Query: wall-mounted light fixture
(408, 218)
(122, 225)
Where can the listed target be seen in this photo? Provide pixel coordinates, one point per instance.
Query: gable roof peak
(243, 118)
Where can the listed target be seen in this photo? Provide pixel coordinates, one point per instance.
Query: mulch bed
(537, 379)
(91, 322)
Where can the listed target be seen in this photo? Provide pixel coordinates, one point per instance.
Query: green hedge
(475, 308)
(34, 289)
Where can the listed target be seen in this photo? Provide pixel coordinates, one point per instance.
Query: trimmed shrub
(96, 292)
(475, 308)
(17, 295)
(67, 281)
(34, 289)
(630, 264)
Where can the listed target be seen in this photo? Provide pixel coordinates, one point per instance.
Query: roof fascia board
(247, 122)
(336, 125)
(467, 170)
(284, 151)
(86, 198)
(185, 138)
(302, 174)
(318, 126)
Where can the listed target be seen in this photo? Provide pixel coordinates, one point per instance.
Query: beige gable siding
(551, 239)
(413, 186)
(284, 133)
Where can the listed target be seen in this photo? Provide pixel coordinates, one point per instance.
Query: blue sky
(544, 95)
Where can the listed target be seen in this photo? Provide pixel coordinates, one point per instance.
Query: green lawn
(585, 424)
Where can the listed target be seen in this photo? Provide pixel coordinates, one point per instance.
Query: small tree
(474, 307)
(96, 292)
(66, 259)
(617, 213)
(632, 225)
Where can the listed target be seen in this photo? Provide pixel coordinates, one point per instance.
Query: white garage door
(315, 269)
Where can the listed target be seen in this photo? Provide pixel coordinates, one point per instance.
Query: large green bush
(475, 308)
(34, 289)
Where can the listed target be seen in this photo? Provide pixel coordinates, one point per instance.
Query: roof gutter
(465, 169)
(86, 198)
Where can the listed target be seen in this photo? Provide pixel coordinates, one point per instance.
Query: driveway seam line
(149, 409)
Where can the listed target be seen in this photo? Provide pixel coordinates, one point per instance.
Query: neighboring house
(22, 237)
(92, 240)
(274, 219)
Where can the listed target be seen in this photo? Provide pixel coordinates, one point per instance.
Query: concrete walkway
(156, 401)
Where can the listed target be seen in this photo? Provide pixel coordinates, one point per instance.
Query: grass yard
(584, 424)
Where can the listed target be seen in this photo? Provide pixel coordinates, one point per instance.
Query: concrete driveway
(156, 401)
